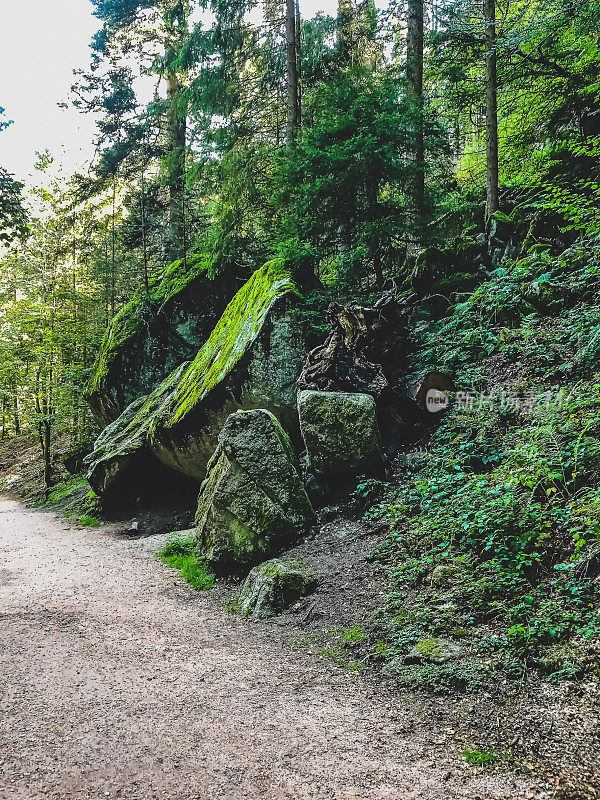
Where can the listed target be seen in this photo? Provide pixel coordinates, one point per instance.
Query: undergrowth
(494, 541)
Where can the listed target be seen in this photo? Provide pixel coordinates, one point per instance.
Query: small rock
(443, 574)
(433, 651)
(273, 586)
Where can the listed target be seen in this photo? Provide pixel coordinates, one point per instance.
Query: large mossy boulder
(341, 434)
(272, 587)
(252, 359)
(252, 503)
(155, 332)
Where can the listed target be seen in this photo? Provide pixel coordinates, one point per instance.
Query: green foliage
(478, 758)
(344, 185)
(496, 535)
(342, 645)
(180, 554)
(86, 521)
(13, 217)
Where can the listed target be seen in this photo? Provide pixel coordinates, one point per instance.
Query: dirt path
(118, 681)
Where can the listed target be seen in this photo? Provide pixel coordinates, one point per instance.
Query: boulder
(252, 503)
(251, 360)
(340, 433)
(121, 454)
(272, 587)
(433, 651)
(155, 332)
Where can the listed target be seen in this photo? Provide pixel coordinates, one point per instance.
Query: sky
(41, 42)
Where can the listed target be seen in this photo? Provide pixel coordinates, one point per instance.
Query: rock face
(251, 359)
(252, 502)
(154, 333)
(340, 433)
(272, 587)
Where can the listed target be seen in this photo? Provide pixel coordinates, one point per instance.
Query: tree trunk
(113, 269)
(47, 454)
(299, 61)
(344, 31)
(293, 100)
(144, 244)
(414, 73)
(16, 417)
(491, 116)
(177, 128)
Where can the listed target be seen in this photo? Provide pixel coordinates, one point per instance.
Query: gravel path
(119, 681)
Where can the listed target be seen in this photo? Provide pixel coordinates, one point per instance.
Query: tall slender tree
(491, 109)
(292, 30)
(414, 74)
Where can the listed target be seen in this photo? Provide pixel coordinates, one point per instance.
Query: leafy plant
(180, 554)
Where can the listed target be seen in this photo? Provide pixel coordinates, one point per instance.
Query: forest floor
(120, 681)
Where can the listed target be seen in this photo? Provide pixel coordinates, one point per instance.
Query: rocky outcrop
(252, 502)
(272, 587)
(340, 433)
(155, 332)
(251, 359)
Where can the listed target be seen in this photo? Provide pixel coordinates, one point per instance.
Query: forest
(343, 146)
(432, 165)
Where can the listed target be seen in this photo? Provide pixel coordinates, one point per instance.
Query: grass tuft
(180, 554)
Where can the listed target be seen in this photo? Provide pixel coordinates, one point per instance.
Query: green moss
(237, 329)
(127, 323)
(117, 441)
(214, 472)
(428, 647)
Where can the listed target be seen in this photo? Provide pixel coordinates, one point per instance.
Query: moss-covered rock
(252, 502)
(272, 587)
(121, 453)
(433, 651)
(154, 333)
(252, 359)
(340, 433)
